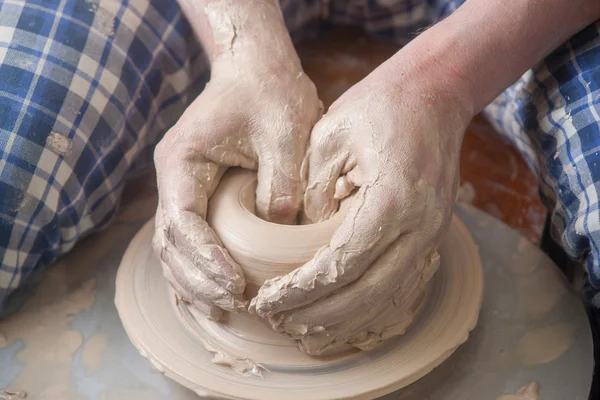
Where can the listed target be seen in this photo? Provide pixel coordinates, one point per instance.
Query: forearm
(485, 45)
(245, 29)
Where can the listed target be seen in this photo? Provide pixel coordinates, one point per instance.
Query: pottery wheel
(176, 343)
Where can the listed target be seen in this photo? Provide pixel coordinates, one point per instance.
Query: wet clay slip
(266, 250)
(241, 357)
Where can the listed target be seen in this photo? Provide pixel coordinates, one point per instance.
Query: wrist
(484, 47)
(423, 75)
(254, 60)
(242, 31)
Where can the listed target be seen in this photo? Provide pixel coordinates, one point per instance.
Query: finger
(159, 242)
(212, 312)
(199, 244)
(343, 187)
(194, 286)
(374, 221)
(393, 319)
(388, 279)
(324, 170)
(365, 313)
(280, 181)
(184, 188)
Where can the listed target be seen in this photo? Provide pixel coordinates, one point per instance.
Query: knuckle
(328, 134)
(174, 146)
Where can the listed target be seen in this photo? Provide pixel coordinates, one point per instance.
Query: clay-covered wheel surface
(154, 325)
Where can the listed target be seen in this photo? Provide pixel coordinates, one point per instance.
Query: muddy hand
(256, 112)
(396, 147)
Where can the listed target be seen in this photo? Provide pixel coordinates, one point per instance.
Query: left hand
(399, 144)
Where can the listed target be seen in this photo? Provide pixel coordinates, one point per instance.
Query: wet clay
(173, 337)
(529, 392)
(265, 250)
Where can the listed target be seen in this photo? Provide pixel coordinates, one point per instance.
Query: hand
(250, 115)
(399, 144)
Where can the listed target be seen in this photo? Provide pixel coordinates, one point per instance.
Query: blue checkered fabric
(87, 88)
(552, 115)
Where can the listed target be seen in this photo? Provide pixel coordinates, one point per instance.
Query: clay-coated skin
(265, 251)
(402, 156)
(256, 113)
(395, 136)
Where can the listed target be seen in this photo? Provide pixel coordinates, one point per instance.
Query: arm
(241, 29)
(485, 46)
(396, 136)
(256, 112)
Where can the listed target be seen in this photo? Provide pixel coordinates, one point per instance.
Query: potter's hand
(398, 144)
(256, 112)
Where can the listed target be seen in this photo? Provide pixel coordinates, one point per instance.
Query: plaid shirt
(87, 88)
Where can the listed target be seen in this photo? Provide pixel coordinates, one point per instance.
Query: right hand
(395, 137)
(252, 116)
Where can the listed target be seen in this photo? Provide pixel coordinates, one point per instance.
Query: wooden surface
(504, 185)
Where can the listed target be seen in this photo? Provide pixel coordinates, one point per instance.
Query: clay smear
(244, 366)
(43, 324)
(8, 394)
(92, 352)
(104, 19)
(59, 144)
(528, 392)
(545, 345)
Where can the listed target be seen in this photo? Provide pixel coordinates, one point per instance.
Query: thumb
(280, 184)
(327, 163)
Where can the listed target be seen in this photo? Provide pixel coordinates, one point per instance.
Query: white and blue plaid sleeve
(552, 115)
(87, 87)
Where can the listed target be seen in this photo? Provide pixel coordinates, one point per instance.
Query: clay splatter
(547, 344)
(58, 143)
(9, 394)
(43, 324)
